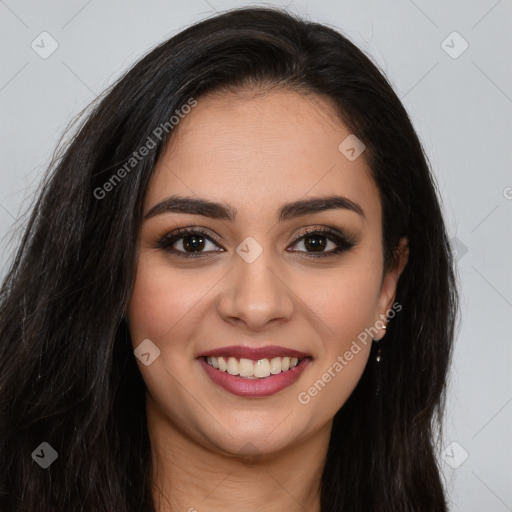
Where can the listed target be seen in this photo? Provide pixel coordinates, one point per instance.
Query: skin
(254, 152)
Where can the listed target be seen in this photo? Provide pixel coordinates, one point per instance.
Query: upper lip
(241, 351)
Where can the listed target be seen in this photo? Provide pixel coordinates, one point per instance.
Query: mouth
(254, 372)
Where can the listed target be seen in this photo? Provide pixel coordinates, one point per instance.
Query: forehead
(256, 151)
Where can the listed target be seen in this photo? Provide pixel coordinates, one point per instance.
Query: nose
(255, 295)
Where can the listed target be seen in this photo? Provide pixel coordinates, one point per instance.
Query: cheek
(344, 301)
(163, 303)
(165, 307)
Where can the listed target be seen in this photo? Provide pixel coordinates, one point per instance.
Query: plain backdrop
(457, 88)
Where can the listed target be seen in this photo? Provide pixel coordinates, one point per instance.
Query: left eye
(315, 242)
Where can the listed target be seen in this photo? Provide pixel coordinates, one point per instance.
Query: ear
(389, 283)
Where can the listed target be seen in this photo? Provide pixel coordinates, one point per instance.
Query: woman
(235, 290)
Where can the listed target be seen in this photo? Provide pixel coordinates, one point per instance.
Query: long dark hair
(68, 374)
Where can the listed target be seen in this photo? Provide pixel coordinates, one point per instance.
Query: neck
(189, 476)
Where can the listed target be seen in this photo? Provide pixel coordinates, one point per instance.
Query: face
(255, 307)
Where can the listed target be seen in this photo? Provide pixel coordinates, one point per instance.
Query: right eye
(191, 241)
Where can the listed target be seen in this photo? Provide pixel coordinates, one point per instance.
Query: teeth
(245, 368)
(250, 369)
(262, 368)
(212, 361)
(275, 365)
(232, 366)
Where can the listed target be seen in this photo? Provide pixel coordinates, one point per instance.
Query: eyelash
(343, 242)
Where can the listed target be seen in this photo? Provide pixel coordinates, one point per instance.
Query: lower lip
(255, 387)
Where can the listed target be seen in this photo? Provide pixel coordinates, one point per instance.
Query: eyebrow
(214, 210)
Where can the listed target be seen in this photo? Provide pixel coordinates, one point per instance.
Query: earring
(379, 348)
(378, 356)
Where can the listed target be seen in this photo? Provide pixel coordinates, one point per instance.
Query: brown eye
(192, 243)
(188, 243)
(315, 242)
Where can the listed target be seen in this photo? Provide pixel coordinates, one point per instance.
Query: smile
(254, 372)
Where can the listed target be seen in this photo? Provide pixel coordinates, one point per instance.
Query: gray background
(460, 106)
